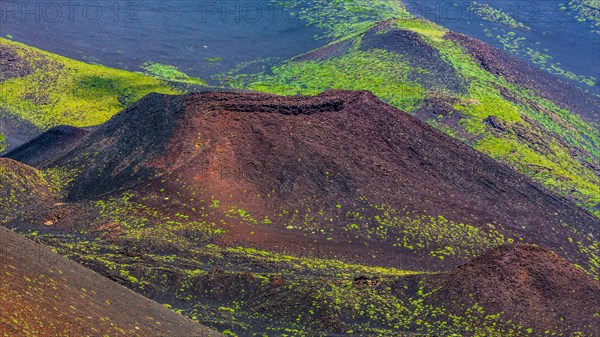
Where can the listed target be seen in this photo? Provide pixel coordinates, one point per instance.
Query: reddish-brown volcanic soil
(529, 284)
(332, 149)
(44, 294)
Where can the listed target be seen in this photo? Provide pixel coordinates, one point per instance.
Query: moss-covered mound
(48, 90)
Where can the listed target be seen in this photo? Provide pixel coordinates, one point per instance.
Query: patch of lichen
(63, 91)
(365, 223)
(339, 19)
(3, 142)
(19, 185)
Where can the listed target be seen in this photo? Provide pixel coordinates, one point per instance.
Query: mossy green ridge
(358, 70)
(62, 91)
(170, 73)
(512, 124)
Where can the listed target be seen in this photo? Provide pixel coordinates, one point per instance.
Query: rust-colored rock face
(528, 283)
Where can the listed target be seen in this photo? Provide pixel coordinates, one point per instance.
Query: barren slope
(44, 294)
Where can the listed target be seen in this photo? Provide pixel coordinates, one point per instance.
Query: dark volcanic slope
(52, 143)
(522, 73)
(16, 130)
(21, 187)
(44, 294)
(437, 74)
(528, 283)
(335, 152)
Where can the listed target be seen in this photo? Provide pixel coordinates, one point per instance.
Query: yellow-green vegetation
(64, 91)
(586, 10)
(358, 70)
(344, 18)
(143, 224)
(515, 44)
(3, 143)
(413, 231)
(538, 138)
(587, 246)
(170, 73)
(238, 289)
(493, 14)
(553, 164)
(19, 183)
(59, 177)
(319, 266)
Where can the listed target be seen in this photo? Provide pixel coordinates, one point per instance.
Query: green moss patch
(171, 73)
(64, 91)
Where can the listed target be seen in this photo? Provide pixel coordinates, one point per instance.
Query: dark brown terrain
(338, 176)
(525, 281)
(45, 294)
(336, 148)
